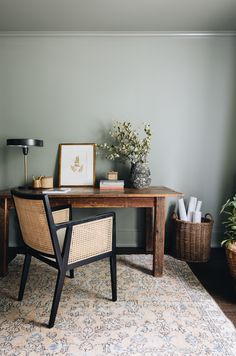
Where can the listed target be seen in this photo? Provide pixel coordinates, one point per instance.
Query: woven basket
(193, 240)
(47, 182)
(231, 258)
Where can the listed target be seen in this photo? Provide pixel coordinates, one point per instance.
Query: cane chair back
(33, 224)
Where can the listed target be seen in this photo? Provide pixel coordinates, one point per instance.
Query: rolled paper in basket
(197, 216)
(182, 210)
(199, 205)
(191, 207)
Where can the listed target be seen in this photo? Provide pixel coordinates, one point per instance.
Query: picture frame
(76, 164)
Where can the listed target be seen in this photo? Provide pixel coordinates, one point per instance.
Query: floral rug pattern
(170, 316)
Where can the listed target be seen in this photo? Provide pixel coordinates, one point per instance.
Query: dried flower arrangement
(126, 143)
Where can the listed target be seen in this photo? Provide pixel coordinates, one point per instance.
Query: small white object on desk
(56, 191)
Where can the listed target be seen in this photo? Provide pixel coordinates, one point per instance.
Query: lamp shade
(24, 142)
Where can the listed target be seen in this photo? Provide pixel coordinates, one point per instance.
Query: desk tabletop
(159, 191)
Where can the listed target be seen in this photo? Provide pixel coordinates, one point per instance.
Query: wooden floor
(215, 277)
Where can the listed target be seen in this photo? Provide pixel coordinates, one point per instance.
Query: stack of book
(111, 184)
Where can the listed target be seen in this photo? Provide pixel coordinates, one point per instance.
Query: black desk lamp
(25, 143)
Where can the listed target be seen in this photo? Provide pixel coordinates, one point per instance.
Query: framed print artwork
(76, 164)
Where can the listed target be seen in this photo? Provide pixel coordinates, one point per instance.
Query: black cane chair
(51, 236)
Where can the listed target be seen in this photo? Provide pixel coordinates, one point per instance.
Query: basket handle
(208, 216)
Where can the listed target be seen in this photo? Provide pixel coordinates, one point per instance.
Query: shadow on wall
(170, 233)
(228, 183)
(4, 159)
(56, 169)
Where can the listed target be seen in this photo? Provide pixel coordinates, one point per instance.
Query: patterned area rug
(172, 315)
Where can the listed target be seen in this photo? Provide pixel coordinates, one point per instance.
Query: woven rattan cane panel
(91, 239)
(60, 216)
(33, 224)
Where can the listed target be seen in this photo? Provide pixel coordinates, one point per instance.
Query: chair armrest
(62, 225)
(71, 223)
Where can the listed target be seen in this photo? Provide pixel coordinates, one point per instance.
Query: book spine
(112, 182)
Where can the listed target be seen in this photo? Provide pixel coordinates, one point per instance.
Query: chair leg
(24, 276)
(56, 298)
(72, 273)
(113, 277)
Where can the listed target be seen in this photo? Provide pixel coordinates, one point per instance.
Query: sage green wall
(70, 88)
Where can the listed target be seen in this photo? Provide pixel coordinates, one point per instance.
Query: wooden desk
(152, 199)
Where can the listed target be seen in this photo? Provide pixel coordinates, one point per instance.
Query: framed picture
(76, 164)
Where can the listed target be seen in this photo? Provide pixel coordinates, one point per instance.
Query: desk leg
(4, 228)
(158, 236)
(149, 230)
